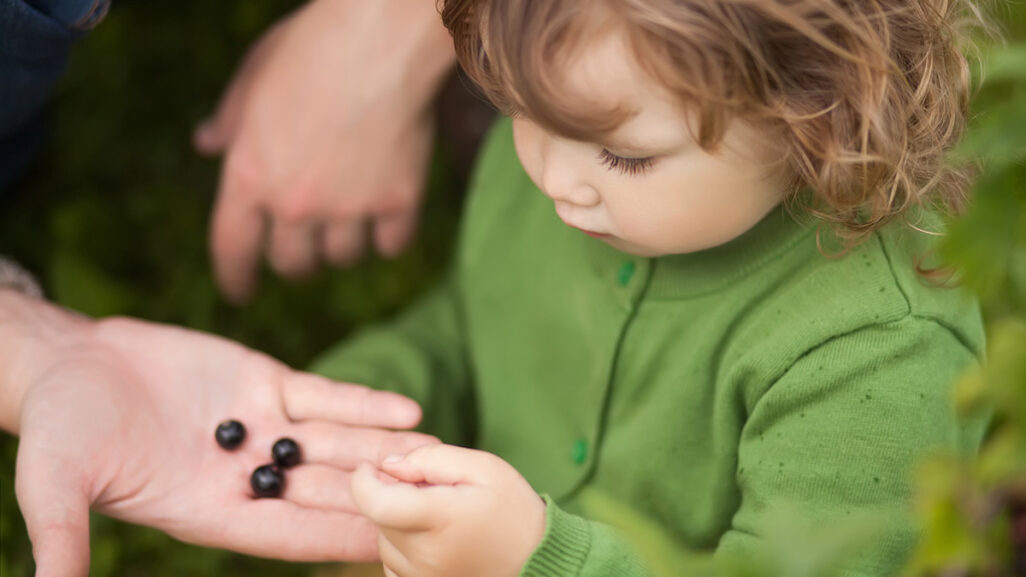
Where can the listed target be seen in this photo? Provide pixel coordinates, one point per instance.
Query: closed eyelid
(626, 165)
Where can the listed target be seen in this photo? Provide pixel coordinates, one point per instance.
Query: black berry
(230, 435)
(285, 453)
(267, 481)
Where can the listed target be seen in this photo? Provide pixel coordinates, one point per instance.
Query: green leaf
(1005, 63)
(998, 136)
(79, 285)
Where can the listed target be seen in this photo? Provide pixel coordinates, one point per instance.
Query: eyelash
(628, 166)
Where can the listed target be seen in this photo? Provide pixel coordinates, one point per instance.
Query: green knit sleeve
(837, 436)
(575, 546)
(833, 441)
(421, 354)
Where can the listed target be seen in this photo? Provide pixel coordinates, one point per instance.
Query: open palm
(124, 424)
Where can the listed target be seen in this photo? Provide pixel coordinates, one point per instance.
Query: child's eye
(629, 166)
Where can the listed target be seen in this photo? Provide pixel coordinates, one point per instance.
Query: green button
(626, 272)
(580, 451)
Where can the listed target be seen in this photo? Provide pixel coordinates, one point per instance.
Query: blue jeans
(35, 38)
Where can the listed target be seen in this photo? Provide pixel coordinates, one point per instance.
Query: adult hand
(326, 130)
(119, 416)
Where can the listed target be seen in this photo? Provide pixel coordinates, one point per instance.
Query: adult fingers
(320, 487)
(283, 530)
(344, 242)
(56, 513)
(237, 233)
(293, 250)
(392, 232)
(346, 447)
(396, 506)
(311, 397)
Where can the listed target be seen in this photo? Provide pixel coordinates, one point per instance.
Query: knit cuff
(563, 549)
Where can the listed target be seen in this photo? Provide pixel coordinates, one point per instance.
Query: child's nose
(562, 182)
(569, 191)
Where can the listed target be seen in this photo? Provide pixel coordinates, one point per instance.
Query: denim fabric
(35, 38)
(75, 14)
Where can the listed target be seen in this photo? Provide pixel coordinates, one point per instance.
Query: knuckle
(292, 208)
(295, 398)
(350, 207)
(244, 171)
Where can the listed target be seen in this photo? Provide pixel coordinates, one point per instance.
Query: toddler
(703, 292)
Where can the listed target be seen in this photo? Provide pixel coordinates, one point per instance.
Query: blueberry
(285, 453)
(267, 481)
(230, 435)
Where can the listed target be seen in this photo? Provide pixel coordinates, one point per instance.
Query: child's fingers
(392, 558)
(398, 506)
(441, 465)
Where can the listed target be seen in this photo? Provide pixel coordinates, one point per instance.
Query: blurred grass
(114, 217)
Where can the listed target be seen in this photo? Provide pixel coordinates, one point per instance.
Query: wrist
(564, 546)
(33, 332)
(432, 53)
(416, 39)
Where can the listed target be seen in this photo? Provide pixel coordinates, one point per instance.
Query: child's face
(650, 189)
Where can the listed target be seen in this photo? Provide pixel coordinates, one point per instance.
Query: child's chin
(631, 249)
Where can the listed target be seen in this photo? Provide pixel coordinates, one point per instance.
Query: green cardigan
(699, 391)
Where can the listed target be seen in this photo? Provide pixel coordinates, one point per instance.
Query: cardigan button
(580, 451)
(626, 273)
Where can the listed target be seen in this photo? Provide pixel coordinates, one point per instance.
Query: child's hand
(453, 512)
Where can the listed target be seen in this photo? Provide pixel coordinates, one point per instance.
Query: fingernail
(392, 459)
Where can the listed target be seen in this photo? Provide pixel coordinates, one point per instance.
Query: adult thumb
(209, 138)
(57, 517)
(213, 135)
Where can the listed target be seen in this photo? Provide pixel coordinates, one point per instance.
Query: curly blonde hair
(868, 95)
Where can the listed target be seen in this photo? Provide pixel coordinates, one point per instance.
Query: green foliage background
(115, 214)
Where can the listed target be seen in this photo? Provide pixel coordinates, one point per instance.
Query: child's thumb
(436, 465)
(398, 506)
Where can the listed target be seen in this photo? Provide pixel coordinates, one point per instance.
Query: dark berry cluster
(267, 480)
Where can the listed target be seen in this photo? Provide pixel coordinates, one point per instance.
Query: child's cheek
(527, 142)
